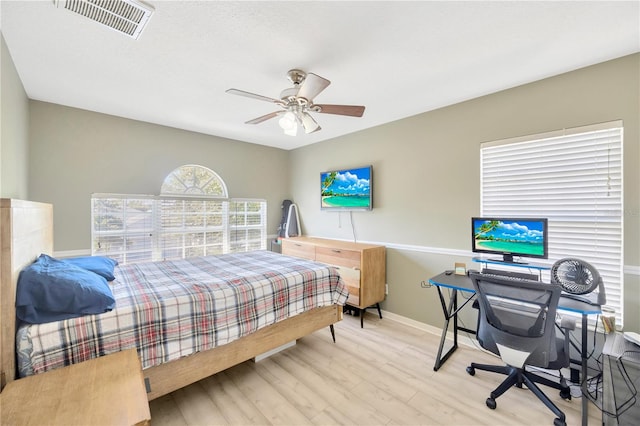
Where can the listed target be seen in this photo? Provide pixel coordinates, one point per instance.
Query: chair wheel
(491, 403)
(559, 422)
(565, 394)
(471, 371)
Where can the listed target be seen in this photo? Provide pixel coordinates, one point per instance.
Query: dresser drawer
(350, 277)
(339, 257)
(354, 296)
(305, 251)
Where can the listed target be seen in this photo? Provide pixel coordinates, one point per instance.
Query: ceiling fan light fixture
(288, 121)
(297, 102)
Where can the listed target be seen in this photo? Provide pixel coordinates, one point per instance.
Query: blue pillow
(54, 290)
(99, 264)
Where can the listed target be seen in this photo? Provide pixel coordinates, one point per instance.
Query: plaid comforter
(171, 309)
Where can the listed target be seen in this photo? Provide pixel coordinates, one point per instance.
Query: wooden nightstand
(104, 391)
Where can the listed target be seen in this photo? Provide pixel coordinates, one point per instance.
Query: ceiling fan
(297, 103)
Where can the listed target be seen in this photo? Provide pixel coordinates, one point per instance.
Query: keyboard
(512, 274)
(512, 278)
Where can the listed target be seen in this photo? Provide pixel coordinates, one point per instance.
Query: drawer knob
(336, 251)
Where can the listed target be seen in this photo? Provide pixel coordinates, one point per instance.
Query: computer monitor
(510, 237)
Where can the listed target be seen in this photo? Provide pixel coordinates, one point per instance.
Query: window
(191, 217)
(194, 180)
(572, 177)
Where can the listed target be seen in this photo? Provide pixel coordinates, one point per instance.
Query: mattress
(171, 309)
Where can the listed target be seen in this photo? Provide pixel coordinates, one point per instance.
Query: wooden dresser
(361, 266)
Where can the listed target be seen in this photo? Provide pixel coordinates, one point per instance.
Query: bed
(27, 231)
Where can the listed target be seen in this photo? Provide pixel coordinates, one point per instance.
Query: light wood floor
(380, 375)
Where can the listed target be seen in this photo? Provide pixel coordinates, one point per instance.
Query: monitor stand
(508, 258)
(516, 264)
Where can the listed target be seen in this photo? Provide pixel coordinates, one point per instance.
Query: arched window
(192, 179)
(192, 216)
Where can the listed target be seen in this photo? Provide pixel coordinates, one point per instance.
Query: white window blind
(133, 228)
(123, 227)
(573, 178)
(192, 227)
(192, 217)
(246, 225)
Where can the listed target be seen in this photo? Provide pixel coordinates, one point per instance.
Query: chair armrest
(567, 323)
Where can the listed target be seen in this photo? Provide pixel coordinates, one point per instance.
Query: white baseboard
(463, 339)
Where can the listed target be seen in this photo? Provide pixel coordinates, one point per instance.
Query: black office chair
(517, 322)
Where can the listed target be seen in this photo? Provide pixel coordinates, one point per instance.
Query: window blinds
(191, 227)
(134, 228)
(123, 228)
(573, 178)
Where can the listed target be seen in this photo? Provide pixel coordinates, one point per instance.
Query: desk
(462, 283)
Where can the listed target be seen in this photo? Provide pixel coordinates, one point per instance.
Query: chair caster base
(491, 403)
(559, 422)
(471, 371)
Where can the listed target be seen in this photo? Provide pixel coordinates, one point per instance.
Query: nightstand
(108, 390)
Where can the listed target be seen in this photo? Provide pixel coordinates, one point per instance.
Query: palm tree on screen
(328, 181)
(487, 227)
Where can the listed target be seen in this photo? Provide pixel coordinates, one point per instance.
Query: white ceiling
(397, 58)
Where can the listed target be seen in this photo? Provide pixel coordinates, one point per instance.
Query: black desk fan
(578, 280)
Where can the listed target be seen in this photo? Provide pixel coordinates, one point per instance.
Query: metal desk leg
(447, 311)
(583, 372)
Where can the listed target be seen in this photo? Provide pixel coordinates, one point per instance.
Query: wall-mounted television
(346, 189)
(510, 237)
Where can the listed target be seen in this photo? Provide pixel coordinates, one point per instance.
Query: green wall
(14, 129)
(75, 153)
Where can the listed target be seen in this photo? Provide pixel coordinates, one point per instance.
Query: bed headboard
(26, 231)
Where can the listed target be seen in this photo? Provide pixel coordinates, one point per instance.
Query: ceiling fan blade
(253, 95)
(264, 117)
(351, 110)
(310, 125)
(311, 86)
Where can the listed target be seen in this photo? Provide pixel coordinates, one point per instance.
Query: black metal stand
(450, 311)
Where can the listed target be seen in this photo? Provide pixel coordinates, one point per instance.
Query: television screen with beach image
(348, 189)
(519, 237)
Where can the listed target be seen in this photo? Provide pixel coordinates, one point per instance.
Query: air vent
(125, 16)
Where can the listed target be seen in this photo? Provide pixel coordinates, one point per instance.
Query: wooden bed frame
(26, 231)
